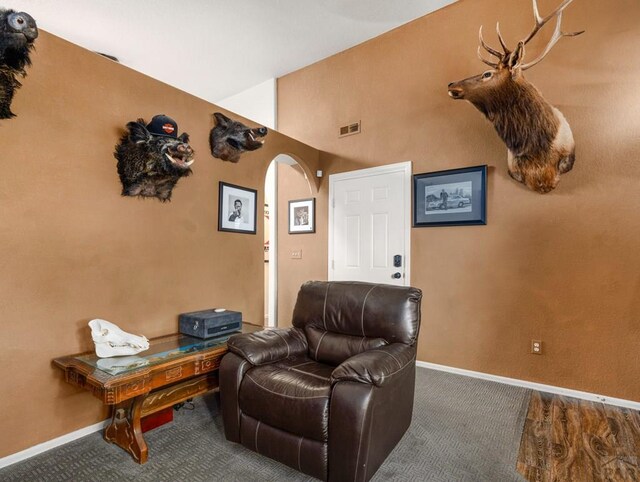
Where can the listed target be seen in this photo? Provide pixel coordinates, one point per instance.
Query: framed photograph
(237, 209)
(456, 197)
(302, 216)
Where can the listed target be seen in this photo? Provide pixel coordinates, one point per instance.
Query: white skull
(112, 341)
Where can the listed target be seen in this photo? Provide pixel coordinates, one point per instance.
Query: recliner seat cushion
(292, 395)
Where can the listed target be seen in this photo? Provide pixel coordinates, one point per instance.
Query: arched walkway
(287, 170)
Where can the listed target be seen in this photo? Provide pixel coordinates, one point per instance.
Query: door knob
(397, 275)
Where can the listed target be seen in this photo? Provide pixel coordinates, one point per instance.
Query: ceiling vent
(350, 129)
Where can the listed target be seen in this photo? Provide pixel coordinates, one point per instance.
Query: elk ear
(515, 58)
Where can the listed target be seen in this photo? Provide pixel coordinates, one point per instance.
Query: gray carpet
(463, 429)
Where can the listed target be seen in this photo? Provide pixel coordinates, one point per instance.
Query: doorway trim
(405, 168)
(272, 294)
(272, 297)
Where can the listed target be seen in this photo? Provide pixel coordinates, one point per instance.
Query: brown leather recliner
(333, 395)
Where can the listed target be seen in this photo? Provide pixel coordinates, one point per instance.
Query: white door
(369, 225)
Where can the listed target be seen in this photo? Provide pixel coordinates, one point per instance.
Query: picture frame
(302, 216)
(455, 197)
(237, 208)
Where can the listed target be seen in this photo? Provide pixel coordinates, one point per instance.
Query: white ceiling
(217, 48)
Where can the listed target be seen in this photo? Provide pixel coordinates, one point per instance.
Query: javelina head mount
(18, 31)
(152, 158)
(230, 138)
(539, 140)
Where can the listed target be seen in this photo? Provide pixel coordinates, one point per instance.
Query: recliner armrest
(375, 366)
(268, 346)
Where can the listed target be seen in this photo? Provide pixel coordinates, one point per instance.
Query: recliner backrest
(341, 319)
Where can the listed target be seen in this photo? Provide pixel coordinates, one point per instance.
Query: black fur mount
(18, 30)
(229, 138)
(150, 165)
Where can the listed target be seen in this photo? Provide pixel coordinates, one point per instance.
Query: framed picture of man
(302, 216)
(237, 208)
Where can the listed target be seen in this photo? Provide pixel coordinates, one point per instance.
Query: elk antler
(492, 51)
(490, 64)
(504, 46)
(557, 33)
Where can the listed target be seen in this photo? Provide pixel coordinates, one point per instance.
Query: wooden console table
(174, 368)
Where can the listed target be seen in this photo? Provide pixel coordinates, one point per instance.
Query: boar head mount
(18, 30)
(230, 138)
(152, 158)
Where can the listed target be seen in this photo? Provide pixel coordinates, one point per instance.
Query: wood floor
(566, 439)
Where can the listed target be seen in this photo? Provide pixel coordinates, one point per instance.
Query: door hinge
(333, 264)
(333, 203)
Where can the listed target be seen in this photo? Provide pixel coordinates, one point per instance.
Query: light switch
(296, 254)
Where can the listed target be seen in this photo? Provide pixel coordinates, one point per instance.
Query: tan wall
(563, 267)
(292, 273)
(74, 249)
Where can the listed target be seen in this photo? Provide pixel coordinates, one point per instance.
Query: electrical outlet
(296, 254)
(536, 347)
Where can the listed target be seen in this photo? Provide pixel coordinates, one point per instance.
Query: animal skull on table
(110, 340)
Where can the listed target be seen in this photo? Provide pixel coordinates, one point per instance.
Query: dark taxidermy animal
(229, 138)
(539, 140)
(18, 30)
(150, 165)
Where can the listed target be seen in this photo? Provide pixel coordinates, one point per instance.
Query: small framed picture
(237, 208)
(302, 216)
(456, 197)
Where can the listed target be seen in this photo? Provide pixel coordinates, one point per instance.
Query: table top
(169, 360)
(161, 350)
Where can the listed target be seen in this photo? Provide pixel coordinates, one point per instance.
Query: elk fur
(538, 137)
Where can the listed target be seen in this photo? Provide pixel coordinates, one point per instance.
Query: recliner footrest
(299, 453)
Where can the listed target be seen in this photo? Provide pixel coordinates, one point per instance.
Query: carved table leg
(124, 429)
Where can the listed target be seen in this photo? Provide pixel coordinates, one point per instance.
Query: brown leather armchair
(333, 395)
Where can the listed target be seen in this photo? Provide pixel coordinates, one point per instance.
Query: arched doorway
(285, 179)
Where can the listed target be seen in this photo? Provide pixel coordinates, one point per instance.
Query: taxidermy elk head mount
(18, 30)
(229, 138)
(152, 158)
(539, 140)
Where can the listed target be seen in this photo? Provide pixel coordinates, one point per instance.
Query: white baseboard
(56, 442)
(619, 402)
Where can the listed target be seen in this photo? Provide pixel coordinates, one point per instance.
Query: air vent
(350, 129)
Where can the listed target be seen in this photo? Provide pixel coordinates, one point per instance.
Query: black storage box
(209, 323)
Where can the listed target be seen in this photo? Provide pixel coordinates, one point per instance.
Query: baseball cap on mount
(162, 125)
